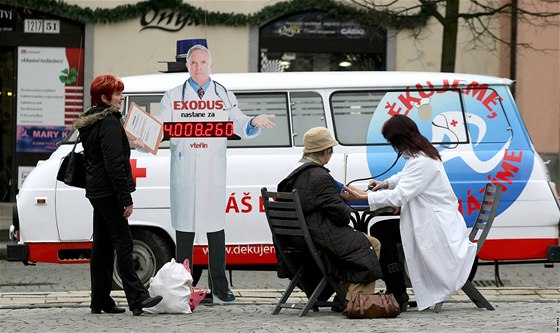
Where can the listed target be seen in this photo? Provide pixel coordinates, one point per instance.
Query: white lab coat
(439, 255)
(198, 165)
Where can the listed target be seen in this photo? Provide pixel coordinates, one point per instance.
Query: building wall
(538, 87)
(123, 49)
(141, 52)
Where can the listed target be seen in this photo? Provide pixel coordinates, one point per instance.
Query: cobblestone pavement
(55, 298)
(455, 317)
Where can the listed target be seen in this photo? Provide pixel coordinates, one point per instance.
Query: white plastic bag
(173, 281)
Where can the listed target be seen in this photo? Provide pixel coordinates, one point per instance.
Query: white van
(471, 119)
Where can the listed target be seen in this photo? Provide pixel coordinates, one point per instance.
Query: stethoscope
(216, 84)
(399, 154)
(450, 130)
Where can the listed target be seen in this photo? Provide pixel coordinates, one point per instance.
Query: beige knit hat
(317, 139)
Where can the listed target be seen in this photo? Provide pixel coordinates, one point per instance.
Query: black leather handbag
(72, 171)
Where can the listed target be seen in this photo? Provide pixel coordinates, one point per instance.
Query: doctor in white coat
(439, 255)
(198, 165)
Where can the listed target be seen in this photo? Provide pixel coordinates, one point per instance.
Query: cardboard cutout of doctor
(198, 165)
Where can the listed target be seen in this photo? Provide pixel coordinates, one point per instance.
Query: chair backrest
(486, 214)
(289, 229)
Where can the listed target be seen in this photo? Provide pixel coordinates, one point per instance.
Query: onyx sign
(166, 20)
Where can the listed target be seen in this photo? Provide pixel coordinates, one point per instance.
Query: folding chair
(293, 242)
(483, 223)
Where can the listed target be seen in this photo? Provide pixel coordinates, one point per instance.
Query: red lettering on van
(393, 110)
(447, 86)
(512, 157)
(408, 101)
(508, 171)
(426, 92)
(232, 204)
(490, 101)
(479, 92)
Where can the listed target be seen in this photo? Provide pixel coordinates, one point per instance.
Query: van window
(352, 113)
(478, 113)
(254, 104)
(355, 113)
(307, 112)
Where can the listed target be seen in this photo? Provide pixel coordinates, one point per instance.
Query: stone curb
(27, 300)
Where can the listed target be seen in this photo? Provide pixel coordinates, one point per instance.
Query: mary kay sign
(50, 95)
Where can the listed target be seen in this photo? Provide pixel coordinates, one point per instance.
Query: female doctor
(439, 255)
(198, 165)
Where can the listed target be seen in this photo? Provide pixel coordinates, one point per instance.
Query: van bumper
(553, 253)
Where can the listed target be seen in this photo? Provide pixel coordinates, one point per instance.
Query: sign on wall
(49, 95)
(7, 19)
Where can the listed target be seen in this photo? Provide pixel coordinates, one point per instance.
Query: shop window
(317, 41)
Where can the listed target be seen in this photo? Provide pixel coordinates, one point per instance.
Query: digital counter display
(198, 129)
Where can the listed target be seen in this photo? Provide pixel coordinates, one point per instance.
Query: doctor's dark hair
(403, 134)
(104, 85)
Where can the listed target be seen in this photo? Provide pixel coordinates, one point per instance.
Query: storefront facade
(46, 60)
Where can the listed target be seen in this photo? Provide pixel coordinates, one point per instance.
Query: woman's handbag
(73, 168)
(378, 305)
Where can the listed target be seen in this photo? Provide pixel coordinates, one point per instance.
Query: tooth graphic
(451, 124)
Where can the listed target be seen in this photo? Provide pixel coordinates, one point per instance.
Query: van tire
(151, 251)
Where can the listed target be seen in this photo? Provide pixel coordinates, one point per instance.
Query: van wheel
(150, 252)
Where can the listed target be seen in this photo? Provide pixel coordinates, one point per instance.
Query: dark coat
(350, 255)
(107, 154)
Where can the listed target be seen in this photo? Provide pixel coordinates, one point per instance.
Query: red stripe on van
(48, 252)
(253, 254)
(516, 249)
(248, 254)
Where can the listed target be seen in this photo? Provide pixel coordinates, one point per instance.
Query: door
(7, 135)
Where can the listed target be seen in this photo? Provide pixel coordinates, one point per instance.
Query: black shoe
(221, 296)
(147, 303)
(403, 301)
(339, 306)
(112, 309)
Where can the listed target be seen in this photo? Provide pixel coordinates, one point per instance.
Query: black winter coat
(350, 256)
(107, 154)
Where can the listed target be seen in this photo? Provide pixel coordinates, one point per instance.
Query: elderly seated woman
(351, 256)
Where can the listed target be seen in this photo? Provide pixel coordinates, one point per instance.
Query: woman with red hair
(109, 185)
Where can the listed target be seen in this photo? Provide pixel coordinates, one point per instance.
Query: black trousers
(216, 254)
(388, 233)
(111, 233)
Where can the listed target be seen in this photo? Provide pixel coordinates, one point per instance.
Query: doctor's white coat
(439, 255)
(198, 165)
